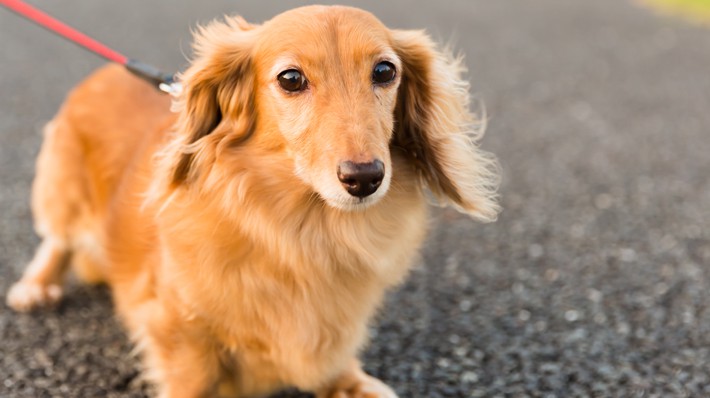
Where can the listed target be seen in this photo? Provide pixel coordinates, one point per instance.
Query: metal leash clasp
(162, 81)
(172, 88)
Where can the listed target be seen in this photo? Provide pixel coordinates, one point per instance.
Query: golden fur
(237, 260)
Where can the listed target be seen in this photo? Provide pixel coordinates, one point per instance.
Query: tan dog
(249, 238)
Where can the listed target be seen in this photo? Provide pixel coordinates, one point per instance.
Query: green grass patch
(693, 10)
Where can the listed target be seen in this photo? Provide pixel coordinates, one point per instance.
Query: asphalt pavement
(593, 283)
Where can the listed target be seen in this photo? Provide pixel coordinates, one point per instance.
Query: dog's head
(338, 92)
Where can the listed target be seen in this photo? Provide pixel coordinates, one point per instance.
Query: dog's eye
(292, 80)
(383, 73)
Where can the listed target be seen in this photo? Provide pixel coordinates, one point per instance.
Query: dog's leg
(178, 354)
(59, 202)
(355, 383)
(41, 284)
(182, 369)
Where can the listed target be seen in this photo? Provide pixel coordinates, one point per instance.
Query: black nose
(361, 179)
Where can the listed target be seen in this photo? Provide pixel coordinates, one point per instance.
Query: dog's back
(104, 124)
(109, 115)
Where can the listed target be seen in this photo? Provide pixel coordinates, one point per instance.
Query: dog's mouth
(354, 204)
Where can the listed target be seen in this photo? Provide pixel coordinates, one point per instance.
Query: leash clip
(172, 88)
(162, 81)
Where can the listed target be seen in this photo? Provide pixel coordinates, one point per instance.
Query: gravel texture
(593, 283)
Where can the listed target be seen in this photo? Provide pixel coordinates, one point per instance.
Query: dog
(249, 233)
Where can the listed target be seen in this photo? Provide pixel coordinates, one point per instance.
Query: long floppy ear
(216, 106)
(434, 126)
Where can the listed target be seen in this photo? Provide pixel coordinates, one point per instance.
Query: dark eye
(383, 73)
(292, 80)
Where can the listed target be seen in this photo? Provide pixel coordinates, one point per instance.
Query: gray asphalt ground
(595, 280)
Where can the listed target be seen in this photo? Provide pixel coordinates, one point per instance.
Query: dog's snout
(361, 179)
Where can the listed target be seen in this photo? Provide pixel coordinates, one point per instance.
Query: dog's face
(330, 82)
(337, 91)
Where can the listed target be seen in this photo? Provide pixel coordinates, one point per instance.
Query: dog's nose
(361, 179)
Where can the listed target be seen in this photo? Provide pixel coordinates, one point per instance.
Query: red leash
(164, 82)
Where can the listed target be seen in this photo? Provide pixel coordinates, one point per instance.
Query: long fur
(238, 262)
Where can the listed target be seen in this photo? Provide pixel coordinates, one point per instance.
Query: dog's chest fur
(287, 286)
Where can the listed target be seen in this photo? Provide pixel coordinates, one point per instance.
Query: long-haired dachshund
(249, 234)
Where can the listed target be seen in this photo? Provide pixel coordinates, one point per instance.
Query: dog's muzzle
(361, 179)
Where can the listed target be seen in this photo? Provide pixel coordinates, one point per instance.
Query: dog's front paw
(26, 296)
(357, 384)
(371, 388)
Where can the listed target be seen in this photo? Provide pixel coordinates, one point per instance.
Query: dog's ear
(217, 100)
(436, 129)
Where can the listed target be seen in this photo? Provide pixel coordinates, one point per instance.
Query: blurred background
(595, 279)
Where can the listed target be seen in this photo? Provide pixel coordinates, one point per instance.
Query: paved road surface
(595, 280)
